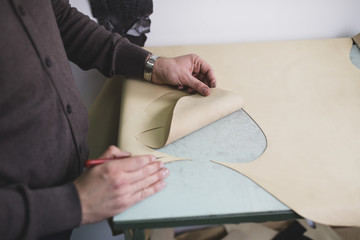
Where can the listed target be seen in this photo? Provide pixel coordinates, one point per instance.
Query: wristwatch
(149, 67)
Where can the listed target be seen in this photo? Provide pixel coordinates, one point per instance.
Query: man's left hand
(189, 71)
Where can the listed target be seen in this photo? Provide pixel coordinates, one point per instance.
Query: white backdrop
(186, 22)
(213, 21)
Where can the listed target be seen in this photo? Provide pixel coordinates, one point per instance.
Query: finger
(210, 79)
(146, 171)
(202, 78)
(198, 86)
(145, 182)
(114, 152)
(135, 163)
(208, 73)
(205, 80)
(147, 192)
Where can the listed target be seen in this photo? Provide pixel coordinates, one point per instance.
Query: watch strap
(149, 67)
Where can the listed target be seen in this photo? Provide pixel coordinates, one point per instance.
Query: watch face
(149, 66)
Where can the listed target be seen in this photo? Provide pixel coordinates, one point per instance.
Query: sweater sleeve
(90, 45)
(29, 214)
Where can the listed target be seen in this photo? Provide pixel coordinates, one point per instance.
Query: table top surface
(199, 189)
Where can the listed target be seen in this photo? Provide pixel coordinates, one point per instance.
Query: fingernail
(165, 172)
(161, 164)
(204, 91)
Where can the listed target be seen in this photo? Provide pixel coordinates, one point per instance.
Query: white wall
(214, 21)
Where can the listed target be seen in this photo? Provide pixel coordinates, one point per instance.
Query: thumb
(114, 152)
(198, 86)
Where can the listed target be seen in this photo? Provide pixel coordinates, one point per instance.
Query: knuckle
(149, 191)
(142, 160)
(121, 202)
(146, 171)
(139, 160)
(198, 85)
(143, 194)
(115, 176)
(119, 183)
(156, 188)
(193, 56)
(144, 184)
(108, 171)
(150, 158)
(148, 182)
(112, 148)
(160, 175)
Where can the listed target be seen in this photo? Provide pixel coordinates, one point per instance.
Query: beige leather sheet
(153, 116)
(104, 116)
(305, 95)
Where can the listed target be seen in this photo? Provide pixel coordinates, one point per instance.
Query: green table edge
(205, 220)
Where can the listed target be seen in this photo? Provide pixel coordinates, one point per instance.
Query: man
(43, 122)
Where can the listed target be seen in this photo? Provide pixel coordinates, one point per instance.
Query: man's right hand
(110, 188)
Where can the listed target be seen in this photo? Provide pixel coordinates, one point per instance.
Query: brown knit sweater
(43, 121)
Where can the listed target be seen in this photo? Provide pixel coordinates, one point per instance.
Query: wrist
(149, 67)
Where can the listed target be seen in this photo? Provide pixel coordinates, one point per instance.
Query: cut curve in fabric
(154, 116)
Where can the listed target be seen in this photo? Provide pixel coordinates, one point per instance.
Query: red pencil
(93, 162)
